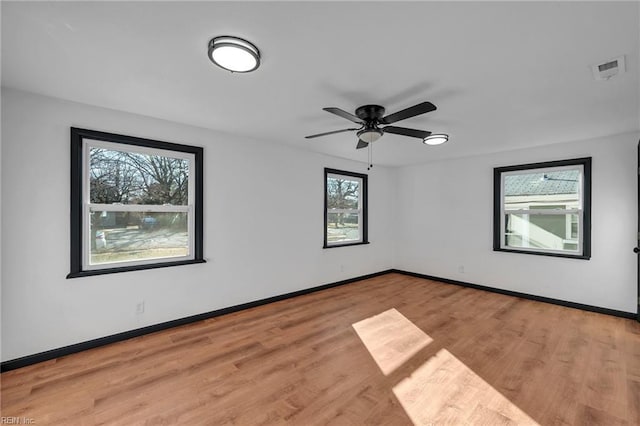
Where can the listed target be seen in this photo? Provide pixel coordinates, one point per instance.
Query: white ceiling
(504, 75)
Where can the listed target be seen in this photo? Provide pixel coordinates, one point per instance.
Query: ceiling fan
(371, 117)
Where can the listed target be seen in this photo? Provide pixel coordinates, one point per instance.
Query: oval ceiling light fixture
(436, 139)
(234, 54)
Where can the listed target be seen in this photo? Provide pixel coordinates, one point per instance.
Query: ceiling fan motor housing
(370, 113)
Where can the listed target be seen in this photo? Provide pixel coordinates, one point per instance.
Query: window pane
(342, 227)
(134, 236)
(550, 189)
(343, 193)
(542, 231)
(134, 178)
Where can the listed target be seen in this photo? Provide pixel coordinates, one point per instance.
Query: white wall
(263, 228)
(445, 213)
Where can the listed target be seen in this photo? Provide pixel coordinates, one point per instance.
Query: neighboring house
(537, 191)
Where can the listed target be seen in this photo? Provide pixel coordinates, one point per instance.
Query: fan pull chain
(370, 155)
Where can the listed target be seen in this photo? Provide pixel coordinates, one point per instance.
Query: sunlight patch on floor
(444, 390)
(391, 339)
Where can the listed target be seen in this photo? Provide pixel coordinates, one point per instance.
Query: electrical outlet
(341, 268)
(140, 307)
(461, 269)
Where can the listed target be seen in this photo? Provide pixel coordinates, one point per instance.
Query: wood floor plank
(487, 359)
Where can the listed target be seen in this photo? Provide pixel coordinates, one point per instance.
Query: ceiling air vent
(608, 69)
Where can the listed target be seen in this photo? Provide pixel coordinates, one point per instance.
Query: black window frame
(586, 163)
(364, 208)
(76, 212)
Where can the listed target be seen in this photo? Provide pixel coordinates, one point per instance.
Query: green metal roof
(550, 183)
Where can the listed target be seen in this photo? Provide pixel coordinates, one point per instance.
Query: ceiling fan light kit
(234, 54)
(369, 135)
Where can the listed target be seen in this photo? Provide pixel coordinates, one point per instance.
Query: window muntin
(136, 203)
(345, 208)
(544, 208)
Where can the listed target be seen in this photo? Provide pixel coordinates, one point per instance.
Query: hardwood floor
(473, 357)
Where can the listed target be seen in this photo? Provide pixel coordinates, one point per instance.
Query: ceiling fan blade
(329, 133)
(418, 109)
(344, 114)
(362, 144)
(421, 134)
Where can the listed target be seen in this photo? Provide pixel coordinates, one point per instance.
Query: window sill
(345, 245)
(540, 253)
(105, 271)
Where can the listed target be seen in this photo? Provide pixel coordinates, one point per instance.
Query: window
(135, 203)
(544, 208)
(345, 202)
